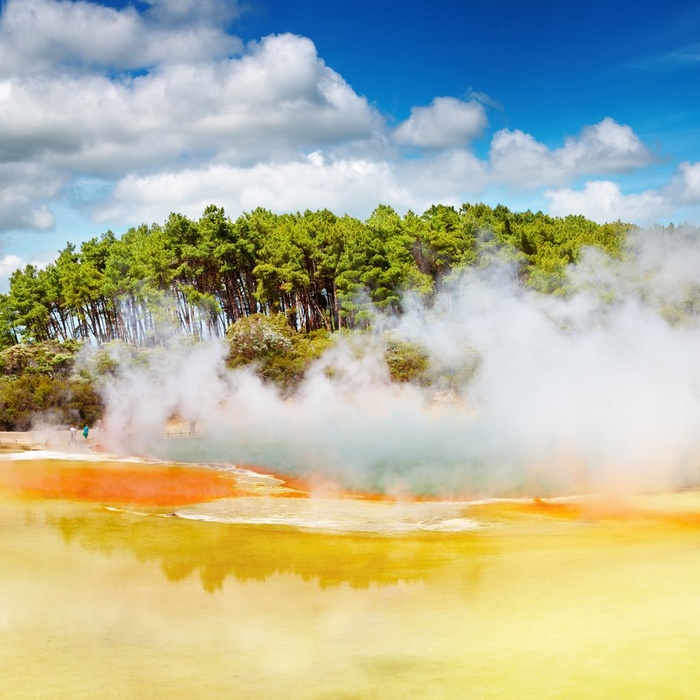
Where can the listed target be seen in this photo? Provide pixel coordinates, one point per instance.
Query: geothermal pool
(120, 580)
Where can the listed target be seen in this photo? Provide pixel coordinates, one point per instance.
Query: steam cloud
(594, 390)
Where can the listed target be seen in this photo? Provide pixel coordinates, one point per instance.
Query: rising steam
(595, 389)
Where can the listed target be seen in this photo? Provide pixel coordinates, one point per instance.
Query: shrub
(277, 352)
(28, 396)
(407, 362)
(47, 358)
(256, 337)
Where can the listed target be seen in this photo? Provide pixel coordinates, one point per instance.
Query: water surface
(109, 599)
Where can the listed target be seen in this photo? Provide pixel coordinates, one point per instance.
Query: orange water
(109, 482)
(541, 601)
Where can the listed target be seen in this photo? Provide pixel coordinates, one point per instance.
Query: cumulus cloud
(350, 185)
(21, 212)
(8, 264)
(279, 97)
(520, 160)
(24, 189)
(603, 201)
(345, 186)
(446, 178)
(53, 36)
(197, 11)
(447, 123)
(272, 104)
(170, 111)
(685, 185)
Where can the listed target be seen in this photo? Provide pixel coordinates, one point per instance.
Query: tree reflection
(218, 550)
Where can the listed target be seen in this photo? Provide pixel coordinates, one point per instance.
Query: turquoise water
(423, 473)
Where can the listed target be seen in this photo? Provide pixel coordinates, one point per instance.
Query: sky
(115, 114)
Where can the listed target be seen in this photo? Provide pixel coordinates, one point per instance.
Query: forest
(294, 278)
(319, 270)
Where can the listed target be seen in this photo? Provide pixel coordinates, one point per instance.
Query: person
(73, 431)
(86, 430)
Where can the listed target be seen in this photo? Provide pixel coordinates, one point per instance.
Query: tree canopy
(319, 270)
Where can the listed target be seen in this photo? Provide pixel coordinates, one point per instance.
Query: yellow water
(99, 603)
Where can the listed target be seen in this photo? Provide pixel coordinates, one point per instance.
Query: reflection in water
(535, 604)
(218, 550)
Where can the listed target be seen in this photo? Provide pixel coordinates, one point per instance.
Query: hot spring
(133, 578)
(526, 526)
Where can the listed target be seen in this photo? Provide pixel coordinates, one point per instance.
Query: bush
(48, 358)
(256, 337)
(277, 352)
(28, 396)
(407, 362)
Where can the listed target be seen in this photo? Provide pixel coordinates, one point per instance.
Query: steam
(593, 390)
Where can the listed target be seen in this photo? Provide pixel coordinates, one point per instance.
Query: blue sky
(115, 114)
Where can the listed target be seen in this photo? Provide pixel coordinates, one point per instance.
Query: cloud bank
(168, 110)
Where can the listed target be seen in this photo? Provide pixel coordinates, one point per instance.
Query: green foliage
(37, 381)
(258, 337)
(8, 334)
(288, 368)
(30, 397)
(455, 374)
(407, 362)
(276, 286)
(47, 358)
(197, 278)
(274, 349)
(410, 362)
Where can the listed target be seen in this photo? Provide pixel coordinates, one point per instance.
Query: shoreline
(681, 507)
(45, 439)
(59, 439)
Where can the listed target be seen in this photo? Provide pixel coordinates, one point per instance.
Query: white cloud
(684, 188)
(684, 57)
(602, 201)
(604, 148)
(8, 264)
(53, 36)
(21, 212)
(24, 189)
(447, 123)
(197, 11)
(450, 177)
(280, 97)
(170, 112)
(275, 102)
(344, 186)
